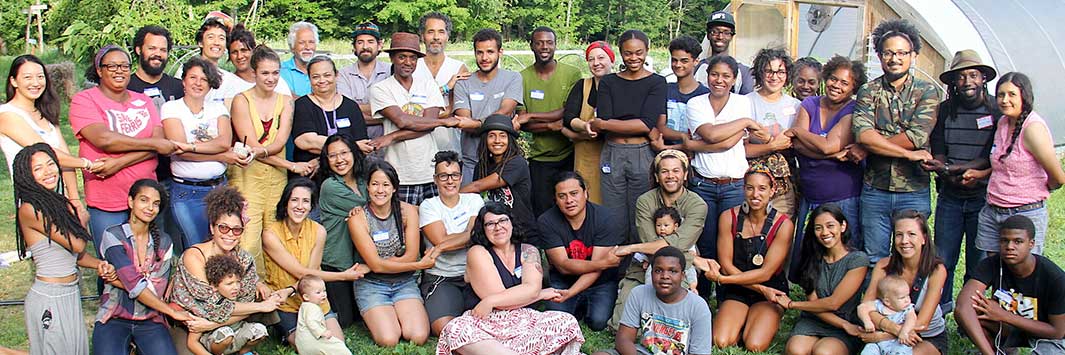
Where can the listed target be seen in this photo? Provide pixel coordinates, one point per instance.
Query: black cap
(722, 18)
(498, 122)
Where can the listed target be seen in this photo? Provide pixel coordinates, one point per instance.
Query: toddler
(894, 303)
(312, 337)
(667, 220)
(224, 273)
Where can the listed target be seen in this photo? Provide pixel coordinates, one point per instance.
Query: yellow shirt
(299, 246)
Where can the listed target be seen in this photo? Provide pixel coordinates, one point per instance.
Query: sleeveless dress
(523, 330)
(749, 254)
(260, 183)
(586, 152)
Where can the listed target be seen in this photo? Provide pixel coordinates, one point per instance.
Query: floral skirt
(525, 331)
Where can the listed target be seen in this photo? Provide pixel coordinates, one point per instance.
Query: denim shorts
(371, 293)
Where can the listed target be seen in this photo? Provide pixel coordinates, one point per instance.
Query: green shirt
(545, 96)
(692, 210)
(335, 201)
(910, 111)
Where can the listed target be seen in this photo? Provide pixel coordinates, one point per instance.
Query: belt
(717, 181)
(204, 183)
(1018, 209)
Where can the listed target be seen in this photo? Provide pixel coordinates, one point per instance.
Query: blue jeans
(598, 302)
(877, 208)
(719, 198)
(114, 337)
(851, 210)
(99, 221)
(166, 220)
(190, 212)
(957, 217)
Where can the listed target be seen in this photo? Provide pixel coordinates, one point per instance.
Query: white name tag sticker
(476, 96)
(788, 111)
(517, 272)
(984, 122)
(343, 122)
(537, 94)
(380, 236)
(419, 99)
(153, 92)
(498, 95)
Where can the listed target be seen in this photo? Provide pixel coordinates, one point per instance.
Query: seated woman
(47, 226)
(293, 244)
(386, 237)
(913, 257)
(505, 276)
(832, 276)
(751, 263)
(133, 306)
(191, 290)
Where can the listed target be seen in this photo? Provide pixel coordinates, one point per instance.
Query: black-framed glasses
(451, 176)
(726, 33)
(222, 228)
(890, 54)
(114, 68)
(505, 221)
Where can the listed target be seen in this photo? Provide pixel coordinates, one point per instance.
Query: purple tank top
(827, 180)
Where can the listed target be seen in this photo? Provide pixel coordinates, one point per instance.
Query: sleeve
(153, 114)
(83, 112)
(304, 115)
(986, 271)
(282, 87)
(428, 212)
(462, 96)
(630, 316)
(115, 253)
(332, 199)
(515, 171)
(312, 317)
(863, 117)
(169, 110)
(605, 106)
(1055, 306)
(654, 104)
(515, 90)
(702, 326)
(937, 138)
(645, 210)
(692, 216)
(352, 111)
(609, 232)
(380, 98)
(572, 108)
(923, 118)
(549, 234)
(860, 259)
(747, 86)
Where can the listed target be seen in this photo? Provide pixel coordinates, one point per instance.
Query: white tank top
(48, 134)
(446, 138)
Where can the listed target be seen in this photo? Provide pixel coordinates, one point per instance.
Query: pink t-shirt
(137, 118)
(1019, 179)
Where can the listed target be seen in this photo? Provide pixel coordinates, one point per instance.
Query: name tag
(984, 122)
(476, 96)
(517, 272)
(343, 122)
(153, 92)
(788, 111)
(419, 99)
(498, 95)
(380, 236)
(537, 94)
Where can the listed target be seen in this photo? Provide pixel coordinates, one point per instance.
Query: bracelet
(789, 305)
(880, 321)
(193, 147)
(88, 163)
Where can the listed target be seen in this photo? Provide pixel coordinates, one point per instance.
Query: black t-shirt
(307, 116)
(1036, 297)
(517, 194)
(601, 228)
(575, 101)
(642, 99)
(166, 89)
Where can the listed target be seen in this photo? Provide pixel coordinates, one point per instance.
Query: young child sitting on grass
(894, 303)
(667, 220)
(224, 274)
(312, 337)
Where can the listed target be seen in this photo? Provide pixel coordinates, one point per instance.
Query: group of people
(397, 193)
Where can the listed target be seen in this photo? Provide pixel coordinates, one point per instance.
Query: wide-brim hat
(966, 59)
(405, 41)
(497, 122)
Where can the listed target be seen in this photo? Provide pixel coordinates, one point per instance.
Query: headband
(107, 49)
(601, 45)
(672, 153)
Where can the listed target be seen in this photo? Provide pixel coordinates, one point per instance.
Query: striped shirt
(153, 276)
(963, 137)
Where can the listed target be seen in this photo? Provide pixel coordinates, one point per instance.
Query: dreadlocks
(483, 164)
(51, 206)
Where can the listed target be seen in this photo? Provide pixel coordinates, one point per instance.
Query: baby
(224, 273)
(894, 303)
(667, 220)
(312, 337)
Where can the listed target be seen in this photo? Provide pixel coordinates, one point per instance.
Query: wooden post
(34, 11)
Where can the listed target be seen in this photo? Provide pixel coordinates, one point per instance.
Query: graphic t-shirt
(166, 89)
(412, 158)
(668, 329)
(455, 220)
(677, 107)
(600, 229)
(137, 118)
(199, 127)
(1036, 297)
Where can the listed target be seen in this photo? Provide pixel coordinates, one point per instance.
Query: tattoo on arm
(531, 257)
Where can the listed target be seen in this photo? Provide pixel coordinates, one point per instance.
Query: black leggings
(342, 299)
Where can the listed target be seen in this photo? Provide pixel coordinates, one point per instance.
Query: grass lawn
(18, 278)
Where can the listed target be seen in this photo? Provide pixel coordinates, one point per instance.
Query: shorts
(415, 194)
(742, 294)
(241, 332)
(444, 296)
(287, 325)
(940, 342)
(372, 293)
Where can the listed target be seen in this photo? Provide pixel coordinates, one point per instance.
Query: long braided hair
(482, 168)
(153, 226)
(52, 206)
(1022, 83)
(393, 178)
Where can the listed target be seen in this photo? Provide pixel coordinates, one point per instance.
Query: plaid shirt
(153, 276)
(911, 111)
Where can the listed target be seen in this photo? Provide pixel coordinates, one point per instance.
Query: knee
(597, 324)
(417, 336)
(757, 345)
(822, 351)
(722, 340)
(794, 348)
(386, 338)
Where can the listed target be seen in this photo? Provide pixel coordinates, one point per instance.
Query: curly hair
(164, 200)
(762, 60)
(242, 35)
(434, 15)
(688, 44)
(219, 267)
(896, 28)
(856, 68)
(224, 201)
(214, 77)
(52, 206)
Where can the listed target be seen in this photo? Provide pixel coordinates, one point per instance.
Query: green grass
(18, 278)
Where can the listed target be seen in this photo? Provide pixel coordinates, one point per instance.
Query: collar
(288, 233)
(290, 64)
(906, 85)
(128, 230)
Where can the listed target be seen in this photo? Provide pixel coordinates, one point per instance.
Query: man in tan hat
(961, 141)
(409, 108)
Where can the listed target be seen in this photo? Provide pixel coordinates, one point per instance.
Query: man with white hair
(303, 41)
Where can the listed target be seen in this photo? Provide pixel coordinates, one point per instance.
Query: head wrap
(601, 45)
(672, 153)
(107, 49)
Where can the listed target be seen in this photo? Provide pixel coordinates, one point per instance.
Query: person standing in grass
(580, 105)
(673, 126)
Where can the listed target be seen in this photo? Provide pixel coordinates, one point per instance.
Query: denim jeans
(190, 212)
(598, 302)
(166, 220)
(957, 217)
(877, 208)
(99, 221)
(114, 337)
(719, 198)
(851, 210)
(991, 218)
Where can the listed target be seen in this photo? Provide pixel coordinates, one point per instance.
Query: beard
(145, 65)
(491, 68)
(367, 56)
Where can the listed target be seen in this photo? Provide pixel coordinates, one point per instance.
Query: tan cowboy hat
(966, 59)
(405, 41)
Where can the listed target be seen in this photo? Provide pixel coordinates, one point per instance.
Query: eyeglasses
(337, 154)
(776, 72)
(222, 228)
(114, 68)
(890, 54)
(505, 221)
(446, 177)
(716, 33)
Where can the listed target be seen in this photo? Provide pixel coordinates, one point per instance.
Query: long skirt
(54, 323)
(525, 331)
